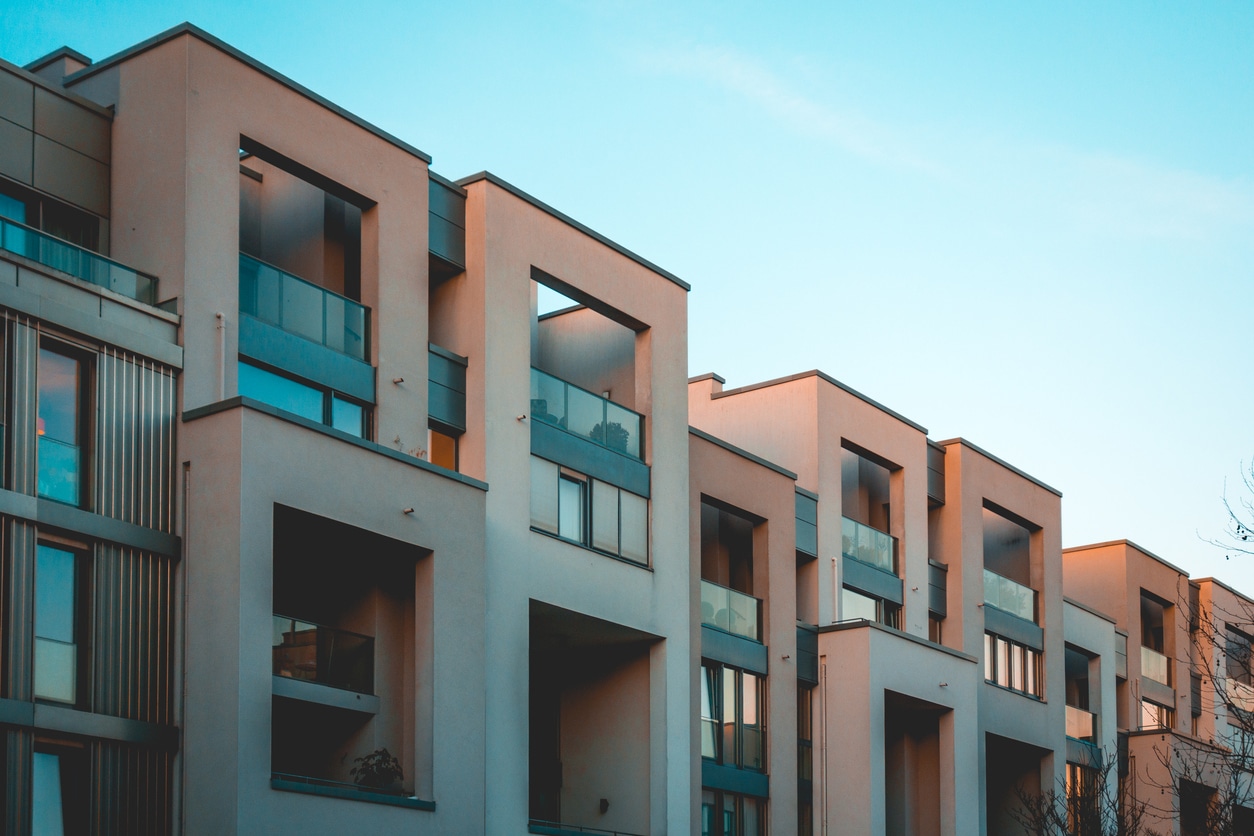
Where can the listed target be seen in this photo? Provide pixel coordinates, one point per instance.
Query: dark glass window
(733, 717)
(58, 790)
(1012, 665)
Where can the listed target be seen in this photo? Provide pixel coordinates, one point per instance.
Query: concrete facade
(361, 538)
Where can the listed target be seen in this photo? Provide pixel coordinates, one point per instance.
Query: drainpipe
(221, 326)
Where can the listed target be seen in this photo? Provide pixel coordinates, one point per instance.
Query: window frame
(717, 677)
(587, 506)
(73, 764)
(1013, 665)
(85, 410)
(887, 613)
(82, 614)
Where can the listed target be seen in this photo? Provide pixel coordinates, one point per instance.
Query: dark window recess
(48, 215)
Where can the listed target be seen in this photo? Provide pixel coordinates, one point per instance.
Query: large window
(733, 717)
(732, 814)
(856, 605)
(304, 399)
(1012, 665)
(588, 512)
(1155, 716)
(60, 424)
(58, 622)
(59, 789)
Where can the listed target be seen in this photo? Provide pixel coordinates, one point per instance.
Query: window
(58, 624)
(1012, 665)
(304, 399)
(856, 605)
(59, 789)
(732, 814)
(442, 448)
(934, 628)
(733, 717)
(51, 216)
(1155, 716)
(588, 512)
(60, 424)
(1237, 651)
(1084, 799)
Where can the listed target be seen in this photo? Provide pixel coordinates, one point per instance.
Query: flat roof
(1000, 461)
(571, 222)
(60, 52)
(1131, 544)
(829, 379)
(745, 454)
(1091, 611)
(221, 45)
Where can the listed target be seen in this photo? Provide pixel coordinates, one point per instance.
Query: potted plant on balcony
(380, 770)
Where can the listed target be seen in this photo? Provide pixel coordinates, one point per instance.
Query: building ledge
(348, 792)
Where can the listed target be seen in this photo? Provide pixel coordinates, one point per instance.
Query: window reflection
(56, 651)
(58, 426)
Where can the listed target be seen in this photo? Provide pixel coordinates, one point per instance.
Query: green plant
(378, 770)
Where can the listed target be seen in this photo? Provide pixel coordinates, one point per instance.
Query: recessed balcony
(583, 414)
(1081, 724)
(79, 262)
(304, 309)
(323, 655)
(1155, 666)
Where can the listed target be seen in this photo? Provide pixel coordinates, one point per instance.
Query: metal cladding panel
(866, 578)
(133, 641)
(17, 152)
(731, 779)
(935, 474)
(136, 401)
(1195, 694)
(18, 594)
(937, 590)
(275, 347)
(131, 789)
(807, 525)
(808, 655)
(1158, 692)
(590, 458)
(75, 178)
(19, 749)
(22, 341)
(447, 240)
(71, 125)
(446, 390)
(17, 100)
(737, 651)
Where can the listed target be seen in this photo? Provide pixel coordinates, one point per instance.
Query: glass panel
(12, 208)
(1003, 662)
(753, 819)
(751, 736)
(1032, 668)
(1155, 666)
(708, 809)
(1079, 724)
(854, 605)
(303, 308)
(1008, 596)
(604, 517)
(347, 416)
(634, 526)
(729, 815)
(709, 720)
(570, 509)
(1016, 667)
(47, 813)
(315, 653)
(554, 401)
(54, 593)
(728, 694)
(990, 670)
(73, 259)
(59, 465)
(544, 478)
(744, 614)
(280, 392)
(56, 666)
(865, 544)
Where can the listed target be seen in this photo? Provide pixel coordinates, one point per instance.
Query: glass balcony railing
(59, 466)
(868, 545)
(325, 655)
(1155, 666)
(730, 611)
(1121, 655)
(1009, 596)
(578, 411)
(303, 308)
(1081, 724)
(78, 262)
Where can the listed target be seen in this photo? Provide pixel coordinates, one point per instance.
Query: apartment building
(320, 515)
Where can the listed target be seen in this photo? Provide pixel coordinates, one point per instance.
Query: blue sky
(1029, 225)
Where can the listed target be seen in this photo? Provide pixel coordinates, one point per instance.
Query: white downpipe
(221, 326)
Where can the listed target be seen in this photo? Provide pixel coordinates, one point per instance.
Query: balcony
(1081, 724)
(868, 545)
(302, 308)
(730, 611)
(78, 262)
(323, 655)
(1155, 666)
(581, 413)
(1240, 695)
(1009, 596)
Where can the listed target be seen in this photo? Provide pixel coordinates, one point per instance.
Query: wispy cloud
(755, 81)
